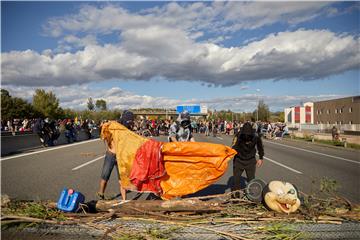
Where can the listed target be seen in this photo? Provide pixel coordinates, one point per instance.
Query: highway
(43, 173)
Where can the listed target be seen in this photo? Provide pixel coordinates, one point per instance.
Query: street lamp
(257, 109)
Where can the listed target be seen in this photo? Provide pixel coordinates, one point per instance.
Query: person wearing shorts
(110, 161)
(108, 166)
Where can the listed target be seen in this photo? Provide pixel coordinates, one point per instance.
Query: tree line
(46, 105)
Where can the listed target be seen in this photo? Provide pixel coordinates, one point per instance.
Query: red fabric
(148, 167)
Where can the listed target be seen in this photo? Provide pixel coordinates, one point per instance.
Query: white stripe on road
(220, 138)
(323, 154)
(48, 149)
(87, 163)
(282, 165)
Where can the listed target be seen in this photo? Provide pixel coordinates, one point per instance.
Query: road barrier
(21, 142)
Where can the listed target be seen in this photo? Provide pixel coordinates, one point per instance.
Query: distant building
(300, 114)
(338, 111)
(323, 115)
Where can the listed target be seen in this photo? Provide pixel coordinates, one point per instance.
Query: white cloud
(76, 97)
(169, 53)
(191, 17)
(252, 15)
(72, 41)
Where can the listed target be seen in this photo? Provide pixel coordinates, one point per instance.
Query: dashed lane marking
(220, 138)
(87, 163)
(48, 149)
(283, 165)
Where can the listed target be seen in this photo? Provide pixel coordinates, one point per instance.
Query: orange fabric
(126, 144)
(192, 166)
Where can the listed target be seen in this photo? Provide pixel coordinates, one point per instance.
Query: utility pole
(257, 109)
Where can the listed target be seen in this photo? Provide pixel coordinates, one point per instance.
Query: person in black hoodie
(246, 142)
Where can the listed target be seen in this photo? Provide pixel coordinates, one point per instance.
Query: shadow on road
(218, 188)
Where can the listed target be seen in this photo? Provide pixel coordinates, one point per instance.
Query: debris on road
(202, 213)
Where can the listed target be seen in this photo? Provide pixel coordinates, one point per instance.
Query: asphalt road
(42, 174)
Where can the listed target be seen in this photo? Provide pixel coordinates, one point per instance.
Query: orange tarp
(189, 166)
(192, 166)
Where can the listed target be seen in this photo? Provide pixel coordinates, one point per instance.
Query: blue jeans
(109, 163)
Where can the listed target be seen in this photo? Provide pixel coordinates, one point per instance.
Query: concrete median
(22, 142)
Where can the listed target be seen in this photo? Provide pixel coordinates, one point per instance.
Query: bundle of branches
(199, 209)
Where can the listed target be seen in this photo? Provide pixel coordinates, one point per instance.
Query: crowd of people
(152, 127)
(49, 130)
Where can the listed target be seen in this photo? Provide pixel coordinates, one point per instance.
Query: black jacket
(245, 146)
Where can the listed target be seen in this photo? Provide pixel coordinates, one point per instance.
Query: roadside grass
(36, 210)
(328, 142)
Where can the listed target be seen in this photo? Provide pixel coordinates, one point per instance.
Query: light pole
(257, 108)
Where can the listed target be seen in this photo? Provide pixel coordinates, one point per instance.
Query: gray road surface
(42, 174)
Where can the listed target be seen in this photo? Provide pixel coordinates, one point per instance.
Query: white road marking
(220, 138)
(87, 163)
(48, 149)
(282, 165)
(323, 154)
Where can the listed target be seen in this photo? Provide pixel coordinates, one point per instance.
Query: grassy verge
(328, 142)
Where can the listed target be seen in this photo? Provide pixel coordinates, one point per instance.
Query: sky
(223, 55)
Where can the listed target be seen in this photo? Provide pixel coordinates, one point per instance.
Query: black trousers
(239, 166)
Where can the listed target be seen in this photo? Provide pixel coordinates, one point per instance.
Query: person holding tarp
(127, 120)
(167, 169)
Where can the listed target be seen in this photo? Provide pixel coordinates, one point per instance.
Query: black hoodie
(245, 141)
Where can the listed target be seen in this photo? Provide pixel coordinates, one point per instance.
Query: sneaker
(100, 196)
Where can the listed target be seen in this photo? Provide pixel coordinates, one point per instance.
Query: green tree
(68, 113)
(23, 109)
(90, 104)
(282, 117)
(6, 105)
(46, 103)
(101, 104)
(16, 107)
(262, 113)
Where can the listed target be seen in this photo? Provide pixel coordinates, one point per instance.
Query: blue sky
(223, 55)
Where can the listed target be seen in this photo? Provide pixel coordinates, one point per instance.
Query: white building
(297, 115)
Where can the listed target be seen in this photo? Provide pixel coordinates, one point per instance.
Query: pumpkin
(281, 197)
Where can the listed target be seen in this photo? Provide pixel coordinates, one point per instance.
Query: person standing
(335, 133)
(246, 143)
(180, 130)
(127, 119)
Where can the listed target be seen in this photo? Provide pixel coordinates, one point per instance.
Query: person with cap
(246, 142)
(127, 119)
(180, 130)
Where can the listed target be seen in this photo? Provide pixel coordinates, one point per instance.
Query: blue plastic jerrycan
(69, 200)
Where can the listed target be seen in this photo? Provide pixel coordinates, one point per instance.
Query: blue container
(69, 200)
